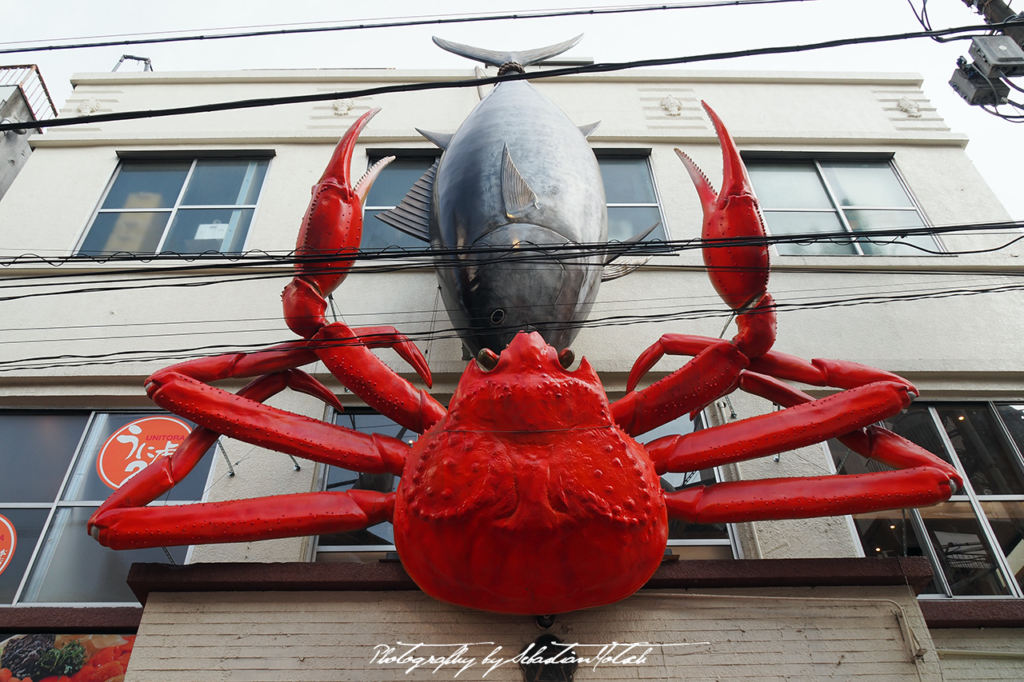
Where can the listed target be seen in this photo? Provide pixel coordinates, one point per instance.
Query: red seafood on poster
(8, 541)
(136, 445)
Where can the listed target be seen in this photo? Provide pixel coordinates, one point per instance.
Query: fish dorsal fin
(412, 216)
(498, 58)
(442, 140)
(515, 191)
(589, 129)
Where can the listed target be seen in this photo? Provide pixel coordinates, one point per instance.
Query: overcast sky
(997, 147)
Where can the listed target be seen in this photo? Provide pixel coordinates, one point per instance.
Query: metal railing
(28, 78)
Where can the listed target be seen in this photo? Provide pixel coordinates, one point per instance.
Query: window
(180, 206)
(690, 541)
(387, 191)
(632, 201)
(975, 540)
(50, 486)
(628, 185)
(856, 197)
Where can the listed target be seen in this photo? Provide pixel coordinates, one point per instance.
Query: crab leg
(922, 479)
(261, 518)
(871, 442)
(166, 472)
(739, 274)
(768, 434)
(363, 373)
(331, 233)
(248, 420)
(799, 498)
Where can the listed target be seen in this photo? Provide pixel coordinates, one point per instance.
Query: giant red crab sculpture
(529, 494)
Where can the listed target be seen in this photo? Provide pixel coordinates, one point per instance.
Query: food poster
(65, 658)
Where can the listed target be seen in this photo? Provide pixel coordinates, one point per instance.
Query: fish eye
(497, 317)
(487, 359)
(566, 358)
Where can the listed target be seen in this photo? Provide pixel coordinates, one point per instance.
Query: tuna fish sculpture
(519, 175)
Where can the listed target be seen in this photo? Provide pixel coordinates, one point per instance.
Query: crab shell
(526, 498)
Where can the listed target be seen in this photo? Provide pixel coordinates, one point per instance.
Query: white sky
(996, 147)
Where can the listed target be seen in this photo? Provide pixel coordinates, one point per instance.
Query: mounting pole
(996, 12)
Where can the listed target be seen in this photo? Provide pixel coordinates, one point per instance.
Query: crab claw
(331, 232)
(738, 273)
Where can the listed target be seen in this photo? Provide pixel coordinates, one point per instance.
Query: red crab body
(527, 474)
(528, 494)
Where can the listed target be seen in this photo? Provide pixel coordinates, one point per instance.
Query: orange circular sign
(8, 541)
(136, 445)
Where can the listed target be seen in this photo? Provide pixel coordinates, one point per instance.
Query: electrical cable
(412, 317)
(432, 256)
(118, 357)
(475, 82)
(425, 20)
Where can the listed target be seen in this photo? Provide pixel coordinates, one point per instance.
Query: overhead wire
(366, 24)
(261, 102)
(402, 318)
(69, 360)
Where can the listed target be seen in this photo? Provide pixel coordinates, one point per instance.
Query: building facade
(928, 594)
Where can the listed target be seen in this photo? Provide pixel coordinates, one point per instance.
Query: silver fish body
(517, 177)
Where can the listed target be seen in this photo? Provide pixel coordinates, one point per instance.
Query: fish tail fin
(499, 58)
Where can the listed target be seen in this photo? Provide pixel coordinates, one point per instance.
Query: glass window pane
(865, 183)
(342, 479)
(782, 223)
(72, 567)
(85, 484)
(681, 530)
(224, 182)
(964, 557)
(125, 233)
(28, 524)
(378, 235)
(625, 222)
(888, 534)
(627, 180)
(197, 230)
(865, 221)
(396, 179)
(147, 185)
(785, 185)
(35, 452)
(1007, 521)
(990, 465)
(916, 425)
(1013, 418)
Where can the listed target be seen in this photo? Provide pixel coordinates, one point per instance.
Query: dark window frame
(136, 157)
(816, 159)
(58, 503)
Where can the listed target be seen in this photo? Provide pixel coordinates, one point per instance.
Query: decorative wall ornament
(88, 106)
(910, 107)
(342, 107)
(672, 106)
(529, 494)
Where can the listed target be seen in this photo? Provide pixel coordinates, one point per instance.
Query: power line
(426, 20)
(475, 82)
(119, 357)
(434, 256)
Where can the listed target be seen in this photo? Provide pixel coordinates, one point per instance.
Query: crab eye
(566, 358)
(487, 359)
